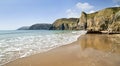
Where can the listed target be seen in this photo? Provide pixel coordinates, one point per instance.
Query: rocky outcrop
(36, 27)
(65, 24)
(83, 21)
(115, 26)
(40, 27)
(23, 28)
(104, 20)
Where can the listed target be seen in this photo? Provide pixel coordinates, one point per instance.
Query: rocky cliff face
(104, 20)
(65, 24)
(115, 26)
(83, 21)
(40, 27)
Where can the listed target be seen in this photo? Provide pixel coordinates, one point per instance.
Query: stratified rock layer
(104, 20)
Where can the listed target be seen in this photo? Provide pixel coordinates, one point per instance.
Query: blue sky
(17, 13)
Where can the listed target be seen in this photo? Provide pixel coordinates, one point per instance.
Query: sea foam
(14, 46)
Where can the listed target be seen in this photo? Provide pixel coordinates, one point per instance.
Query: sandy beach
(88, 50)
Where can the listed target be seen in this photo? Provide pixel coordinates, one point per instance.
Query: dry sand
(88, 50)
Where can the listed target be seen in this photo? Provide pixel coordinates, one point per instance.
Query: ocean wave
(26, 45)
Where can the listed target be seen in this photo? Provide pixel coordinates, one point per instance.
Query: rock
(40, 27)
(104, 20)
(115, 26)
(83, 21)
(65, 24)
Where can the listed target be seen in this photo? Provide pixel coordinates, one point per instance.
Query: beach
(59, 33)
(88, 50)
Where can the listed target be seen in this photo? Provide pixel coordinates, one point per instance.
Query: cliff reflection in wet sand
(101, 49)
(106, 43)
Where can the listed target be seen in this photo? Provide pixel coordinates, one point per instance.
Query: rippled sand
(89, 50)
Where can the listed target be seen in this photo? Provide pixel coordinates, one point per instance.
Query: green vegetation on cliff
(105, 12)
(103, 20)
(41, 26)
(65, 24)
(23, 28)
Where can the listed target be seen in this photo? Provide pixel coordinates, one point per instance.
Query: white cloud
(117, 2)
(84, 6)
(92, 11)
(72, 13)
(76, 11)
(116, 6)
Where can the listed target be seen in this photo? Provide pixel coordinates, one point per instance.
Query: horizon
(17, 13)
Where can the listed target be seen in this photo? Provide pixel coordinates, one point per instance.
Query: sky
(18, 13)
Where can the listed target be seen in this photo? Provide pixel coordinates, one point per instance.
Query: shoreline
(83, 52)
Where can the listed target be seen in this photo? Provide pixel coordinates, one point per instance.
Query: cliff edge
(65, 24)
(106, 20)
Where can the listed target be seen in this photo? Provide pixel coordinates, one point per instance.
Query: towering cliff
(115, 26)
(65, 24)
(104, 20)
(83, 21)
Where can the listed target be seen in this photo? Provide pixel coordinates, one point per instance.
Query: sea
(16, 44)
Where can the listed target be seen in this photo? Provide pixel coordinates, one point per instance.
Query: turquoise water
(17, 44)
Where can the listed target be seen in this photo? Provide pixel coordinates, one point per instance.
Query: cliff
(104, 20)
(65, 24)
(36, 27)
(23, 28)
(40, 27)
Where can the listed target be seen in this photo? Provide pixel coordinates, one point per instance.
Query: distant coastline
(39, 26)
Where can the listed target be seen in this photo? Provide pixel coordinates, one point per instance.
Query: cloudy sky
(17, 13)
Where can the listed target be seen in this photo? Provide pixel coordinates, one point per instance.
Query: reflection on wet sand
(107, 43)
(100, 50)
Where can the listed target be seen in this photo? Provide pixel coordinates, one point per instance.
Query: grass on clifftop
(105, 12)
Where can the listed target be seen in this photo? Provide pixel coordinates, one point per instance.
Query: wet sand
(88, 50)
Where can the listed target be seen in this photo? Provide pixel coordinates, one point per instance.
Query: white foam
(22, 46)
